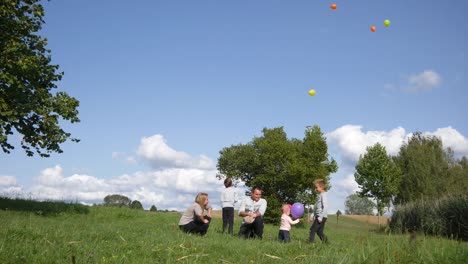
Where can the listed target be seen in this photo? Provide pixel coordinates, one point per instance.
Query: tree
(424, 165)
(117, 200)
(357, 205)
(27, 77)
(153, 208)
(284, 168)
(136, 205)
(377, 176)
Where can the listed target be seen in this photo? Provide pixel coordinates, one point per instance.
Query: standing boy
(320, 212)
(228, 199)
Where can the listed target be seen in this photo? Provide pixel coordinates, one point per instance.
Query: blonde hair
(320, 182)
(201, 199)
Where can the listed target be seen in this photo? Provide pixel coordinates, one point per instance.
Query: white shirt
(250, 206)
(321, 206)
(229, 197)
(286, 222)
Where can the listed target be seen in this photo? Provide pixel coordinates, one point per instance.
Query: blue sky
(165, 85)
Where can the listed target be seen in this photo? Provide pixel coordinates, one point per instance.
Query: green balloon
(386, 23)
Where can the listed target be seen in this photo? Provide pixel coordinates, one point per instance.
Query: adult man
(252, 209)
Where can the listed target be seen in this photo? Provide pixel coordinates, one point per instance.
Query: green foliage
(153, 208)
(104, 236)
(446, 216)
(136, 205)
(357, 205)
(27, 77)
(429, 170)
(377, 176)
(44, 208)
(117, 200)
(284, 168)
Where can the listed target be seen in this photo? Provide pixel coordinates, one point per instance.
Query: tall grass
(122, 235)
(446, 216)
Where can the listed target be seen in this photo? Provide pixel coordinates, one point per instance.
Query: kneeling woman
(193, 220)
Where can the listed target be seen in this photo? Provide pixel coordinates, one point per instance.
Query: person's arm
(242, 208)
(262, 209)
(324, 209)
(208, 209)
(198, 211)
(293, 222)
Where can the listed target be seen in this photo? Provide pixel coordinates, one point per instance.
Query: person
(252, 210)
(320, 212)
(228, 199)
(286, 222)
(193, 220)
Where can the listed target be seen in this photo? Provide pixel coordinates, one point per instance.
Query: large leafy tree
(357, 205)
(377, 176)
(284, 168)
(27, 104)
(429, 170)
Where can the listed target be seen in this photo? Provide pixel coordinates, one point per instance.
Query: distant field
(370, 219)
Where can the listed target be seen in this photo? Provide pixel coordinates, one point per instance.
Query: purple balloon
(297, 210)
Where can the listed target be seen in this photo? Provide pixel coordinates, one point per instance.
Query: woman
(193, 220)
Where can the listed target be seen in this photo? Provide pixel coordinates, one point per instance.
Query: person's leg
(287, 238)
(280, 236)
(258, 227)
(245, 230)
(320, 233)
(313, 229)
(225, 218)
(204, 228)
(191, 227)
(230, 220)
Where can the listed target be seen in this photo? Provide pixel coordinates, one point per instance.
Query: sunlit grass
(118, 235)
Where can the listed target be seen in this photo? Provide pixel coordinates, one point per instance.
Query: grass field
(118, 235)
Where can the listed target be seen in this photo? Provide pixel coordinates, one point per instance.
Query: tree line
(118, 200)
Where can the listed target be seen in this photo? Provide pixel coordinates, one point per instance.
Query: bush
(42, 208)
(445, 216)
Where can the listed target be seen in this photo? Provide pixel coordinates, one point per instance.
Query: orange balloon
(373, 28)
(333, 6)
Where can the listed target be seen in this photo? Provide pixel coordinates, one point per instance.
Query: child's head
(228, 182)
(286, 209)
(319, 185)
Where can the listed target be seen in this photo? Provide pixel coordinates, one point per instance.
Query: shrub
(445, 216)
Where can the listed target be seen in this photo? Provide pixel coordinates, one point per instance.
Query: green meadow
(122, 235)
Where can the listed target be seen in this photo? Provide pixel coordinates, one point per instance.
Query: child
(286, 223)
(228, 199)
(320, 212)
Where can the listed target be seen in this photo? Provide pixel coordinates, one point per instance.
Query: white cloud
(352, 141)
(421, 82)
(155, 150)
(7, 180)
(425, 81)
(452, 138)
(9, 186)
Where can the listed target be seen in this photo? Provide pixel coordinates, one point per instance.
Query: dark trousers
(197, 226)
(283, 236)
(252, 230)
(228, 219)
(318, 228)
